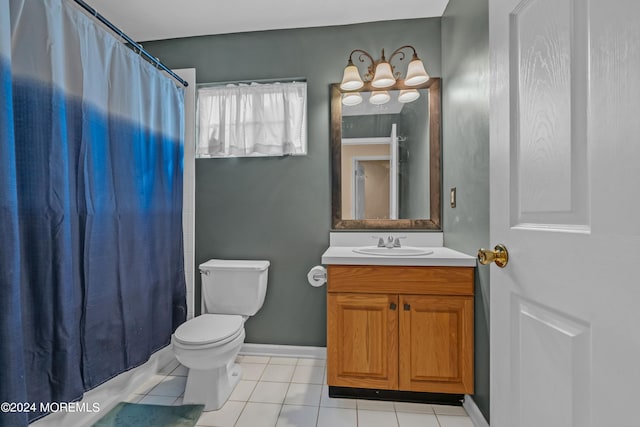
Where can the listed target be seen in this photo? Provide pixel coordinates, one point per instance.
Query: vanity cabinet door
(362, 340)
(436, 343)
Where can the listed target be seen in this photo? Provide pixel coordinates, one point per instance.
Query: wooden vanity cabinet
(364, 334)
(400, 328)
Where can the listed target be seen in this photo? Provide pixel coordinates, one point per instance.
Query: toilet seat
(209, 329)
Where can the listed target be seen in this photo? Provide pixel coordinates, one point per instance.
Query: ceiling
(146, 20)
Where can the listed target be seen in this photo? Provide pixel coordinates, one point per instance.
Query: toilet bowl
(209, 344)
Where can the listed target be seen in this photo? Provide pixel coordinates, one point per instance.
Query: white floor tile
(449, 410)
(252, 371)
(418, 408)
(308, 374)
(223, 417)
(337, 417)
(376, 418)
(157, 400)
(376, 405)
(283, 361)
(454, 421)
(278, 373)
(303, 394)
(312, 362)
(255, 359)
(406, 419)
(264, 398)
(243, 390)
(268, 392)
(150, 383)
(330, 402)
(259, 415)
(134, 398)
(170, 386)
(180, 371)
(298, 416)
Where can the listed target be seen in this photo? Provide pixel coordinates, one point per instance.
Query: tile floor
(290, 392)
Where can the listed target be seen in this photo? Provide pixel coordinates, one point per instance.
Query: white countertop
(441, 256)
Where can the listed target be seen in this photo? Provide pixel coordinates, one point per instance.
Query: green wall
(369, 126)
(414, 160)
(280, 208)
(465, 65)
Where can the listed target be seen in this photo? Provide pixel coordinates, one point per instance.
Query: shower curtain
(91, 263)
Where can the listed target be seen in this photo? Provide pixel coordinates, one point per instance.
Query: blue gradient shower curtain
(91, 262)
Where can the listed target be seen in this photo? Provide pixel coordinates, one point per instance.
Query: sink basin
(403, 251)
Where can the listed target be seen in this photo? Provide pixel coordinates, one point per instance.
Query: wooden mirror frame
(435, 164)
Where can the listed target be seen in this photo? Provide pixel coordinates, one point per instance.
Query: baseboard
(107, 395)
(474, 412)
(284, 351)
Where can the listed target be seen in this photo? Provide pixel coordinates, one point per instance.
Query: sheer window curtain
(252, 120)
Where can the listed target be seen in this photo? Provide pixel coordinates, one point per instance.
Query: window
(249, 120)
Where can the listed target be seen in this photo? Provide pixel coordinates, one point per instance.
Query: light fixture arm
(364, 55)
(401, 56)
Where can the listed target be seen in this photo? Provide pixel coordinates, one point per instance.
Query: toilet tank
(233, 286)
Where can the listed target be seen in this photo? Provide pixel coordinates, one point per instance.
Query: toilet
(232, 290)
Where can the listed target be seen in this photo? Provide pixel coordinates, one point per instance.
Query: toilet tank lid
(234, 264)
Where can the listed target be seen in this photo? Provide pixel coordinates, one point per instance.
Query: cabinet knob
(407, 307)
(392, 306)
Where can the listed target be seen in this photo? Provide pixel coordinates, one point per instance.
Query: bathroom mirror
(386, 157)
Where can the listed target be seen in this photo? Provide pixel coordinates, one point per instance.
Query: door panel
(565, 96)
(436, 344)
(362, 340)
(563, 372)
(547, 56)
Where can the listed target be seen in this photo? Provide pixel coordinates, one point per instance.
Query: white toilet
(232, 290)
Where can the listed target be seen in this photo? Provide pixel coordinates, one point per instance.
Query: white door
(358, 190)
(393, 173)
(565, 201)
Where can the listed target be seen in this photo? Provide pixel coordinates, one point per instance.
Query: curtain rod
(128, 39)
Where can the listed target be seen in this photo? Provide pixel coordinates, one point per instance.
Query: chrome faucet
(381, 242)
(390, 243)
(396, 242)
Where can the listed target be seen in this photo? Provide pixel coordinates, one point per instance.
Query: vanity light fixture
(379, 97)
(381, 73)
(408, 95)
(351, 98)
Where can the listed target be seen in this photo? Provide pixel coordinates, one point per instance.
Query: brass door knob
(499, 255)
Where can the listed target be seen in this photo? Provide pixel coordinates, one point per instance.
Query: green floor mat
(141, 415)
